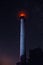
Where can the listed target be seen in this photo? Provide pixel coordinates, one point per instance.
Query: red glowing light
(22, 14)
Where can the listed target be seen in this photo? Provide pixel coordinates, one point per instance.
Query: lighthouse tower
(22, 38)
(22, 17)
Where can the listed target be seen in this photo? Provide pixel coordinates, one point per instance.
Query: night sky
(10, 27)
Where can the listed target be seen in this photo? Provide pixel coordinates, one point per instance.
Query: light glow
(22, 14)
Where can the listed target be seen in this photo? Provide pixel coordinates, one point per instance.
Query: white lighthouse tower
(22, 38)
(22, 17)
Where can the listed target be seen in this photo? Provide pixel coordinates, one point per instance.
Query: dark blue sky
(9, 26)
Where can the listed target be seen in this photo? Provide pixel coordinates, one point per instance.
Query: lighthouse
(22, 38)
(22, 17)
